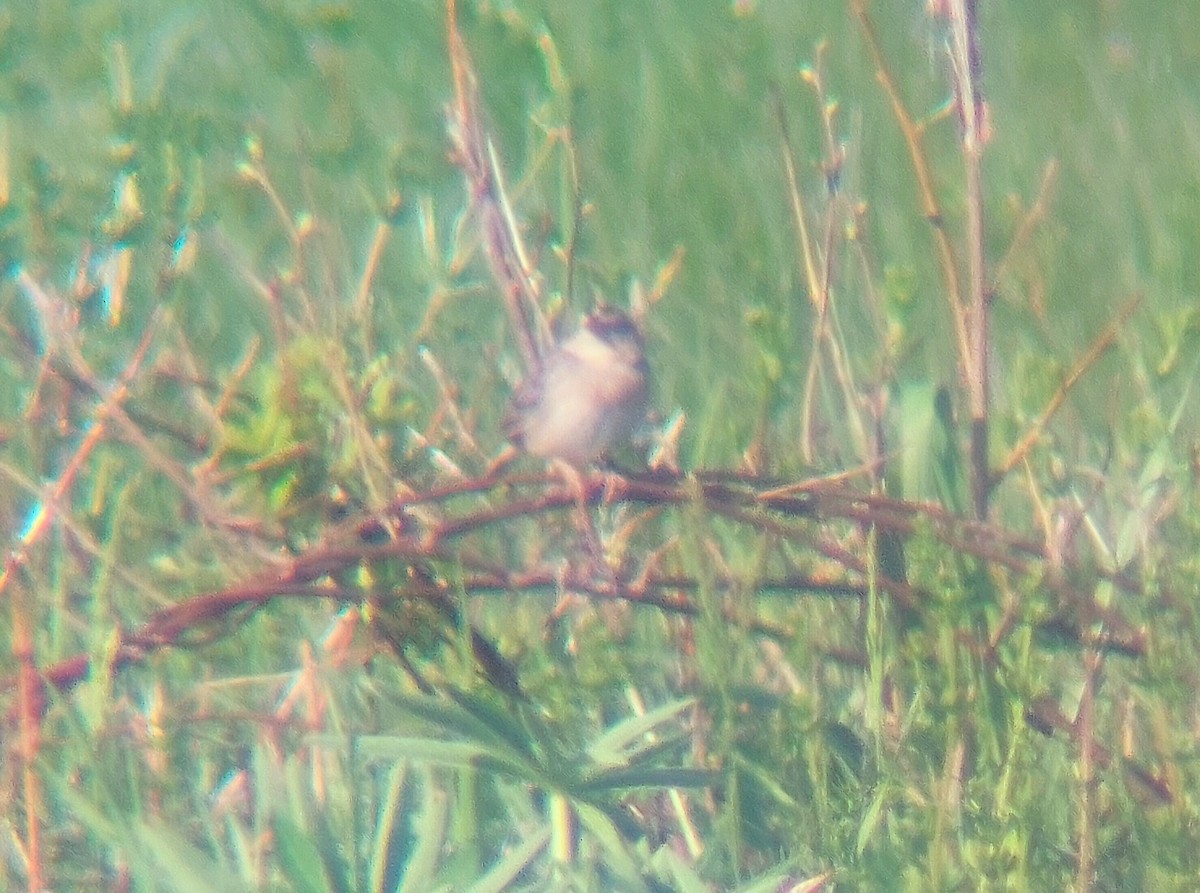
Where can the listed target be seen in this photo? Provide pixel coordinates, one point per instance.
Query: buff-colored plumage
(588, 396)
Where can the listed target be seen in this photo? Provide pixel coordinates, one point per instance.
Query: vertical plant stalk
(970, 312)
(476, 155)
(964, 53)
(818, 261)
(363, 295)
(58, 327)
(914, 135)
(1086, 724)
(62, 339)
(1096, 349)
(31, 699)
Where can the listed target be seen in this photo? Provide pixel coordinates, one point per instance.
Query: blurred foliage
(217, 177)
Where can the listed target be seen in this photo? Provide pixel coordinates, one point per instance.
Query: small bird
(588, 396)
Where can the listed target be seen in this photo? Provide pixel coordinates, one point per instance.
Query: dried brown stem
(965, 54)
(1106, 339)
(913, 134)
(313, 573)
(475, 154)
(1029, 222)
(1046, 716)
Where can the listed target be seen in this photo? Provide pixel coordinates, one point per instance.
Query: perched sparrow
(588, 396)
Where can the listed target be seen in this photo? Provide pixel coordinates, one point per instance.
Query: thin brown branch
(801, 517)
(1106, 340)
(818, 266)
(1030, 221)
(363, 294)
(1086, 724)
(979, 297)
(930, 207)
(30, 706)
(64, 343)
(1046, 716)
(506, 255)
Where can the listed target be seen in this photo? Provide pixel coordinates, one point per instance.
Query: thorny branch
(796, 518)
(399, 540)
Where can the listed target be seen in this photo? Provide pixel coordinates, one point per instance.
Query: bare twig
(362, 297)
(475, 154)
(1029, 222)
(415, 543)
(913, 134)
(1086, 725)
(965, 55)
(818, 271)
(1103, 342)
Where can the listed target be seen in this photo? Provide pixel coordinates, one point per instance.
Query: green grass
(932, 708)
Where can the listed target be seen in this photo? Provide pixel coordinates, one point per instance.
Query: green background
(671, 112)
